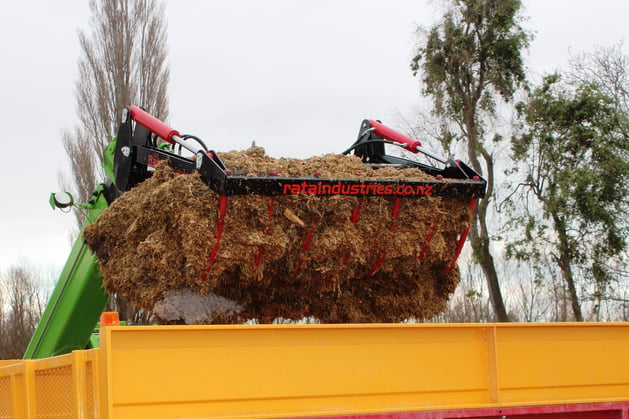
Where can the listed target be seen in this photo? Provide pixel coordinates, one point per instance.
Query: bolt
(126, 151)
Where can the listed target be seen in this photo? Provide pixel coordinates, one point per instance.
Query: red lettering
(341, 188)
(153, 160)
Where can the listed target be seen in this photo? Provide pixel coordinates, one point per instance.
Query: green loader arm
(77, 300)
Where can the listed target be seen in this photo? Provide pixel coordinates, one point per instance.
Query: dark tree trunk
(564, 260)
(479, 234)
(480, 246)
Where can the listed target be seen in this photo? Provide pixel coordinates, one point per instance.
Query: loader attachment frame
(138, 152)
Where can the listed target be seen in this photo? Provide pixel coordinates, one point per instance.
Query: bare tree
(22, 300)
(122, 62)
(469, 303)
(607, 68)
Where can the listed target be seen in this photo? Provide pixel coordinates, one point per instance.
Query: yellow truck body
(362, 370)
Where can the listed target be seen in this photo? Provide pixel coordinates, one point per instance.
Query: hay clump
(291, 256)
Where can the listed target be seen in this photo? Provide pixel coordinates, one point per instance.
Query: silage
(337, 258)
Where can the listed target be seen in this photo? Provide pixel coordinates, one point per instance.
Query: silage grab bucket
(361, 236)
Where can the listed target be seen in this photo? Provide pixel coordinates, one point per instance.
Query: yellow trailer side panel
(332, 369)
(314, 370)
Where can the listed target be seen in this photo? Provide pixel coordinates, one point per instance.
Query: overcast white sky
(295, 76)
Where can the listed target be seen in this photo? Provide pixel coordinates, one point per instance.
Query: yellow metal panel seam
(16, 410)
(105, 373)
(29, 389)
(492, 364)
(79, 384)
(18, 390)
(94, 357)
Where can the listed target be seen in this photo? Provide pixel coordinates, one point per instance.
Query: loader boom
(76, 301)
